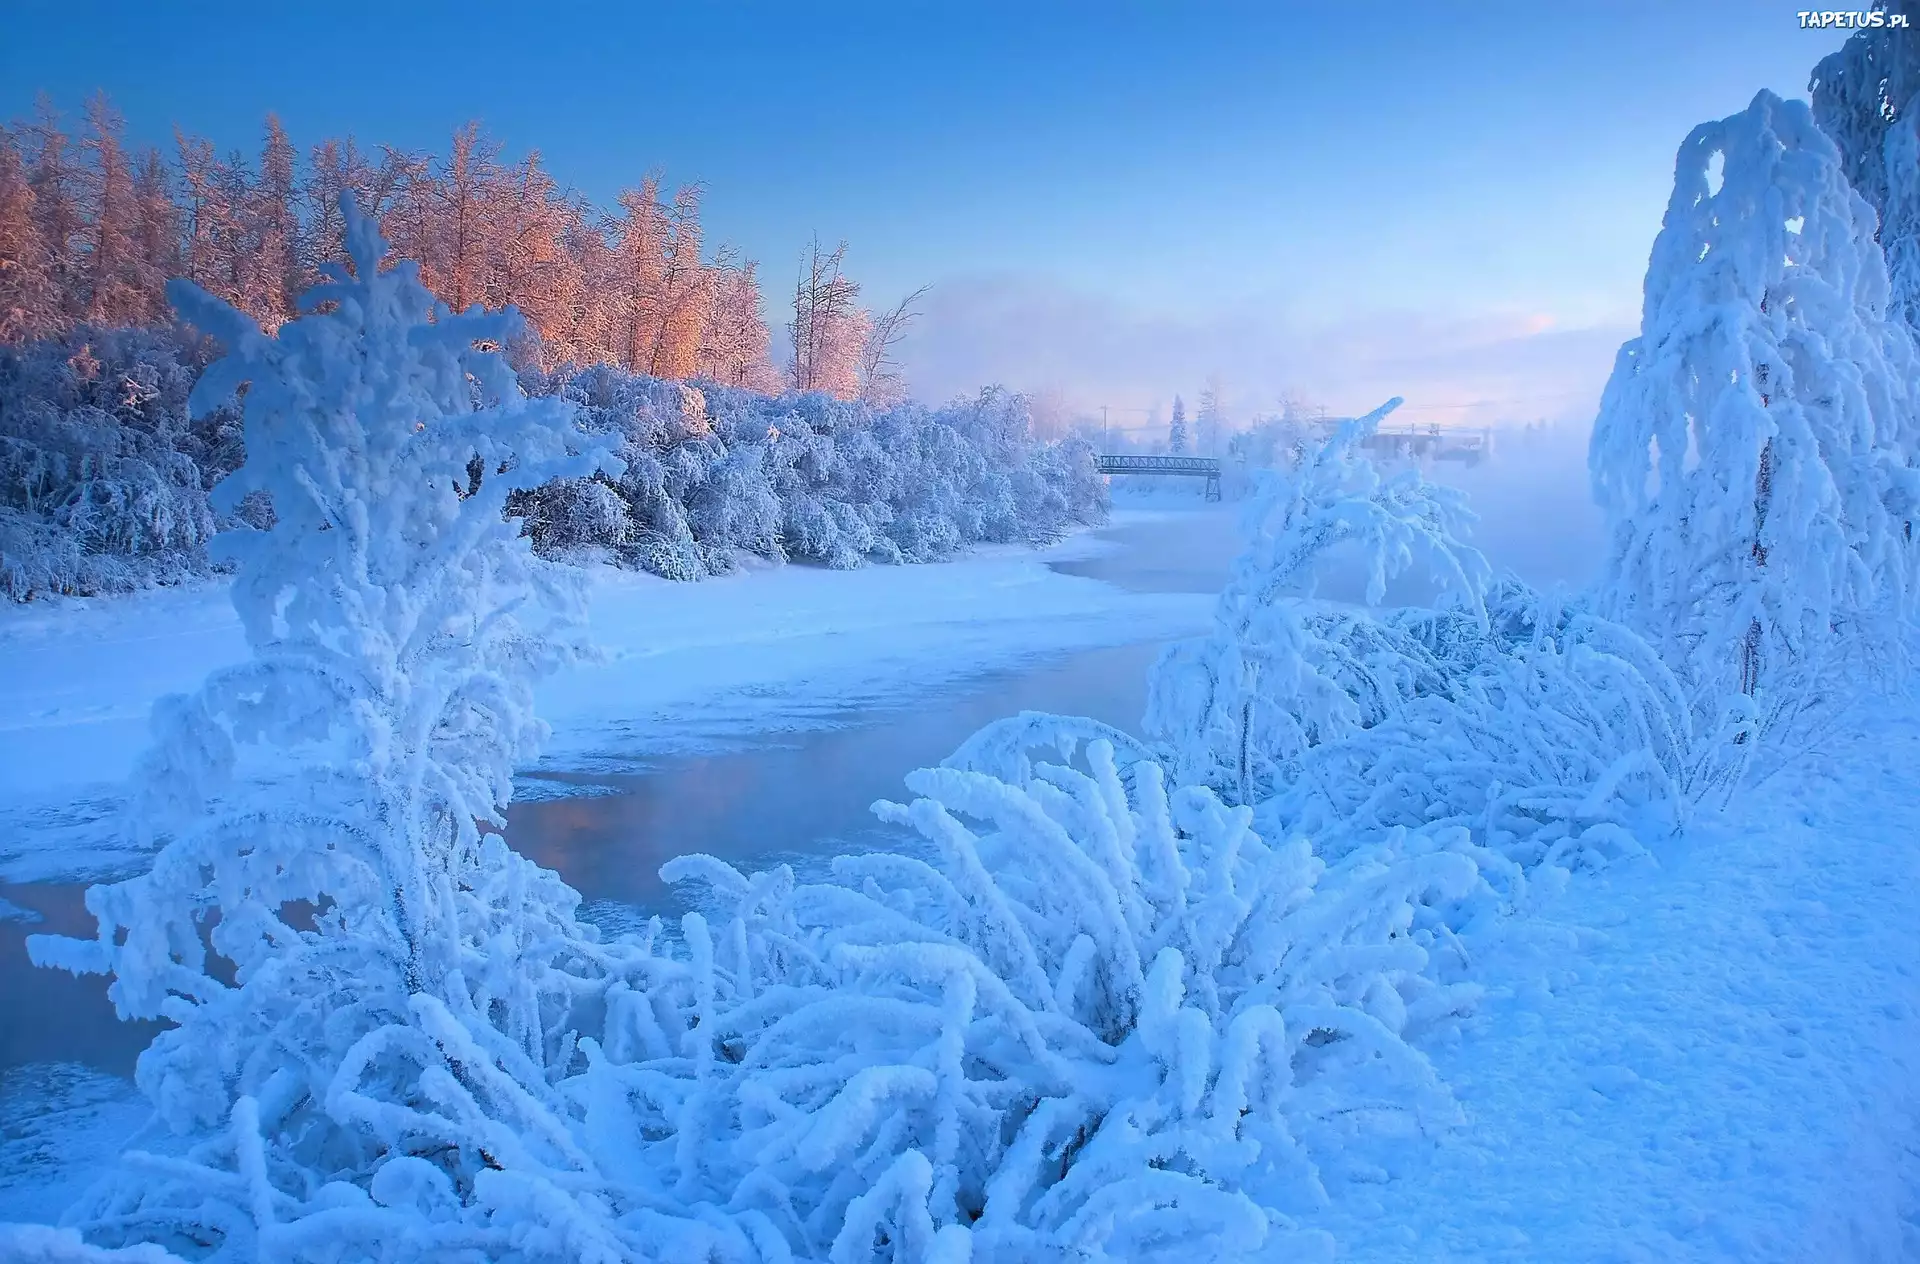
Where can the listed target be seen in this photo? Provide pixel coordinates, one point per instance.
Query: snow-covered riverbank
(687, 665)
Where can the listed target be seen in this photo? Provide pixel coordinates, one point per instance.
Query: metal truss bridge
(1179, 466)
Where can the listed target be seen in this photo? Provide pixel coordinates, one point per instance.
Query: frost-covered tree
(1755, 447)
(211, 218)
(829, 330)
(733, 345)
(1234, 709)
(1210, 423)
(112, 253)
(334, 937)
(881, 379)
(272, 233)
(59, 219)
(1900, 215)
(29, 301)
(1860, 92)
(1177, 428)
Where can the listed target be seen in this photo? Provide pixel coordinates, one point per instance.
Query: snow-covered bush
(1551, 741)
(716, 470)
(1078, 1025)
(1516, 730)
(1754, 452)
(1280, 672)
(338, 944)
(103, 475)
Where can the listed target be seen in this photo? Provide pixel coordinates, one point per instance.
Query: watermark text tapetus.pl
(1854, 19)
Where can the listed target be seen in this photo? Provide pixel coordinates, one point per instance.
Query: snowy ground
(1711, 1055)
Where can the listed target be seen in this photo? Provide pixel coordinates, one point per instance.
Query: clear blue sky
(1111, 199)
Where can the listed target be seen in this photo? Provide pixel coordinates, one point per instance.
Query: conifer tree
(28, 302)
(58, 221)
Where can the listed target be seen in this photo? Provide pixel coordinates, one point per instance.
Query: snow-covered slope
(1710, 1055)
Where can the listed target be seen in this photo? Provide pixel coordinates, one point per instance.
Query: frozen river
(806, 794)
(760, 798)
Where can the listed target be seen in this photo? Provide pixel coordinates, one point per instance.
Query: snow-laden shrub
(344, 953)
(1076, 1026)
(1518, 730)
(103, 475)
(1552, 743)
(717, 471)
(1755, 449)
(1280, 672)
(1093, 1019)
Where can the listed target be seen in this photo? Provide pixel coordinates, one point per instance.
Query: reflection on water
(52, 1015)
(812, 793)
(806, 793)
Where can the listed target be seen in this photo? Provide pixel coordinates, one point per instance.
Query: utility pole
(1106, 435)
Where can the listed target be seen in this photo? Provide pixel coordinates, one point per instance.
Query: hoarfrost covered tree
(29, 300)
(58, 218)
(1754, 452)
(272, 230)
(529, 265)
(336, 169)
(733, 344)
(344, 952)
(1236, 708)
(829, 329)
(112, 252)
(1864, 98)
(881, 380)
(214, 241)
(156, 239)
(1210, 424)
(1177, 428)
(1860, 92)
(1900, 215)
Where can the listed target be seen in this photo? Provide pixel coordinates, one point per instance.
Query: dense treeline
(90, 231)
(104, 476)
